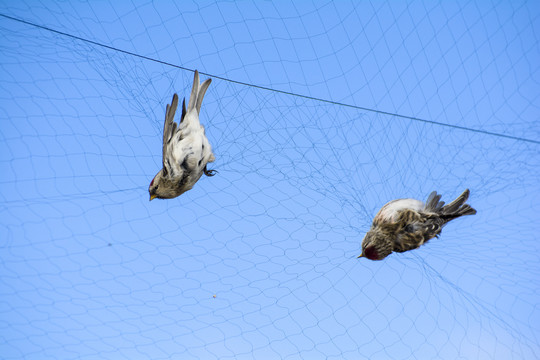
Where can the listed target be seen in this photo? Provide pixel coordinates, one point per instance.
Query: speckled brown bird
(406, 224)
(186, 149)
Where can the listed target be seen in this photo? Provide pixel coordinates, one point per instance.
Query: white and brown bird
(406, 224)
(186, 150)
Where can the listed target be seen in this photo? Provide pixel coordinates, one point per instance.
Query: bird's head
(376, 246)
(162, 188)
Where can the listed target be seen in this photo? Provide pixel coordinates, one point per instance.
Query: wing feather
(168, 129)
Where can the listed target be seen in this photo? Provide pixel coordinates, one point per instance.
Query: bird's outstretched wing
(169, 129)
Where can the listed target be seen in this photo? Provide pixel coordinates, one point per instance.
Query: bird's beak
(152, 197)
(359, 256)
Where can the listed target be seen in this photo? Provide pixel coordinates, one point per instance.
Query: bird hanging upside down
(186, 150)
(405, 224)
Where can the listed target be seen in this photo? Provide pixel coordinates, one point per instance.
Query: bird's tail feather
(458, 207)
(194, 91)
(197, 93)
(202, 91)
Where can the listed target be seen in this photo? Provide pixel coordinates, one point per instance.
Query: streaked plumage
(406, 224)
(186, 150)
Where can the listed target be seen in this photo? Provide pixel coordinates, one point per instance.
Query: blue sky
(90, 269)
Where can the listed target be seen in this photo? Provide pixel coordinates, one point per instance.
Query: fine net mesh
(260, 260)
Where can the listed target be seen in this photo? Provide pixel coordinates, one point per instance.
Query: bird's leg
(209, 172)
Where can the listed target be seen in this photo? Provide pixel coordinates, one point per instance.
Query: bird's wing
(169, 128)
(415, 229)
(408, 241)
